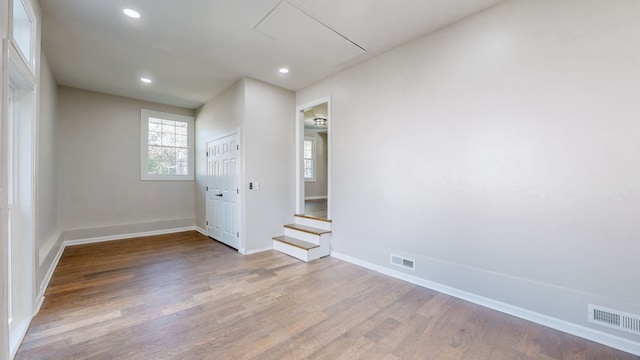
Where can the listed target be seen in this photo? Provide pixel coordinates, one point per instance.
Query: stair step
(312, 218)
(295, 242)
(307, 229)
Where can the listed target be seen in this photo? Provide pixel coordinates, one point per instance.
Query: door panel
(223, 191)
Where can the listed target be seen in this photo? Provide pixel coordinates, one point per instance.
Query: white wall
(47, 234)
(270, 160)
(319, 186)
(502, 153)
(264, 114)
(217, 118)
(99, 188)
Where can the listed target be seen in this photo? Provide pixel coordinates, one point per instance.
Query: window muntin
(167, 146)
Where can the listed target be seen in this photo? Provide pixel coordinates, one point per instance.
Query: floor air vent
(614, 319)
(403, 262)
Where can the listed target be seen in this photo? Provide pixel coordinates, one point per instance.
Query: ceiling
(194, 49)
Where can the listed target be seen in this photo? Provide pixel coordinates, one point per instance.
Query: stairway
(307, 239)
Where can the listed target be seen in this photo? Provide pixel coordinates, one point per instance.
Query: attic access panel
(302, 32)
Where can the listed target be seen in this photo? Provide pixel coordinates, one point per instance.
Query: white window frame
(144, 144)
(29, 58)
(313, 158)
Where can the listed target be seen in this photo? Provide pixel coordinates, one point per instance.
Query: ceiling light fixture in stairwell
(320, 120)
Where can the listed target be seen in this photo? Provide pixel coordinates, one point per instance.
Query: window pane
(22, 29)
(181, 168)
(155, 160)
(181, 128)
(182, 141)
(308, 169)
(168, 139)
(154, 138)
(168, 145)
(182, 155)
(170, 158)
(308, 149)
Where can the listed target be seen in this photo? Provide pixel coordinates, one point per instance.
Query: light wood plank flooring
(185, 296)
(316, 208)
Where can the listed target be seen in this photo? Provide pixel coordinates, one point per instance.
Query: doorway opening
(313, 159)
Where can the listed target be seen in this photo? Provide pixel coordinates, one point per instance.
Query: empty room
(336, 179)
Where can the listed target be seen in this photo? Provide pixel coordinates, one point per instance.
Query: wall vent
(614, 319)
(403, 262)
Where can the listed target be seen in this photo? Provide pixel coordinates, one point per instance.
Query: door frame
(240, 174)
(24, 82)
(300, 152)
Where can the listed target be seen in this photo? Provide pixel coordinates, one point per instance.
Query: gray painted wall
(47, 235)
(502, 153)
(264, 114)
(99, 186)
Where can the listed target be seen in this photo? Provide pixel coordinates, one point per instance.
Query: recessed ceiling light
(145, 80)
(131, 13)
(283, 71)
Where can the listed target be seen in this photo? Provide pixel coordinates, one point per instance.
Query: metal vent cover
(403, 262)
(614, 319)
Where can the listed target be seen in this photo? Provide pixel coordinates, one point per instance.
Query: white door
(223, 158)
(20, 225)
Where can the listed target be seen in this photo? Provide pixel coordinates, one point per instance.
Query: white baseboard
(16, 341)
(201, 231)
(46, 249)
(127, 236)
(561, 325)
(255, 251)
(47, 278)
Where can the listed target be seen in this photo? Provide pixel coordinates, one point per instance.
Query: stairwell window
(309, 159)
(167, 143)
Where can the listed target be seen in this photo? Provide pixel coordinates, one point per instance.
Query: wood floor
(316, 208)
(185, 296)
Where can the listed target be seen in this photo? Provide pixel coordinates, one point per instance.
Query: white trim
(144, 138)
(46, 249)
(201, 230)
(254, 251)
(554, 323)
(47, 277)
(14, 344)
(127, 236)
(299, 174)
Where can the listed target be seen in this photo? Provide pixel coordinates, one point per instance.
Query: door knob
(220, 195)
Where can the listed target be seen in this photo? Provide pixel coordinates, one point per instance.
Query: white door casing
(300, 196)
(223, 165)
(20, 142)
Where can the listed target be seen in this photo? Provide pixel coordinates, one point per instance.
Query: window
(23, 30)
(166, 151)
(309, 159)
